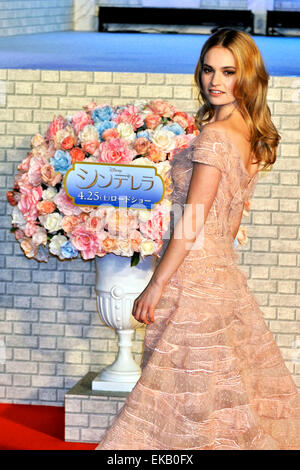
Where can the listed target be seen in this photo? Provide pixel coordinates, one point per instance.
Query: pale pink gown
(212, 374)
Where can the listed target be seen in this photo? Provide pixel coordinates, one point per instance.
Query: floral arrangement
(45, 220)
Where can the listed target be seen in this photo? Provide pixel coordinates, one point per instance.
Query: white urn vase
(118, 284)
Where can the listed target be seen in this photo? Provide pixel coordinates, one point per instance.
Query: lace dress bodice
(213, 147)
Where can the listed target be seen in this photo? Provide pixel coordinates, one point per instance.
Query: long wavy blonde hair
(250, 91)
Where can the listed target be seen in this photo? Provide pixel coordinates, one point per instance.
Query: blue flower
(101, 126)
(175, 127)
(61, 161)
(67, 250)
(143, 134)
(103, 114)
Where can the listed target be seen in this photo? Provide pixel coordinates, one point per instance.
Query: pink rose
(29, 248)
(131, 115)
(153, 228)
(37, 140)
(57, 124)
(141, 145)
(90, 147)
(94, 224)
(50, 176)
(24, 166)
(109, 244)
(121, 222)
(152, 120)
(39, 237)
(85, 241)
(110, 134)
(65, 204)
(116, 151)
(135, 240)
(101, 236)
(182, 119)
(70, 222)
(30, 228)
(19, 234)
(155, 154)
(162, 108)
(80, 120)
(28, 209)
(90, 107)
(29, 198)
(45, 207)
(34, 173)
(182, 141)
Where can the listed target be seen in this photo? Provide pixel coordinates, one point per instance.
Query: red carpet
(34, 427)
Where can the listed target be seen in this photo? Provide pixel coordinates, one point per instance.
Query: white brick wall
(35, 16)
(50, 331)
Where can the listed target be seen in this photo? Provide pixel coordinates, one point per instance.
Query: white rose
(163, 168)
(164, 139)
(147, 247)
(17, 217)
(167, 203)
(52, 222)
(141, 105)
(143, 161)
(144, 215)
(55, 244)
(126, 131)
(49, 194)
(89, 134)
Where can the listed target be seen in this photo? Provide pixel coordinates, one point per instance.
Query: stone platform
(88, 413)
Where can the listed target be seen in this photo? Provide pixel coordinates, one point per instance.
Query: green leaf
(135, 258)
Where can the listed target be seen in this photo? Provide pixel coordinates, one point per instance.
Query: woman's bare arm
(237, 225)
(203, 188)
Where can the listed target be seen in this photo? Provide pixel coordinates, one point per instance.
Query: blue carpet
(132, 52)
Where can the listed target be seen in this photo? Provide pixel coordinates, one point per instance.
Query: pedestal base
(88, 413)
(105, 385)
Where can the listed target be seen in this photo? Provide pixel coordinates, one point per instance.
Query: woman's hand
(145, 304)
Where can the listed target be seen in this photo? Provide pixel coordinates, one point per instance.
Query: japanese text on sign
(96, 184)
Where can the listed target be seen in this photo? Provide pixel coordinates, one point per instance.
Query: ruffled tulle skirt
(212, 375)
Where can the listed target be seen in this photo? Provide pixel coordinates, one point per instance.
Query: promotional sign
(96, 184)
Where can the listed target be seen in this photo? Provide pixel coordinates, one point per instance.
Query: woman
(212, 374)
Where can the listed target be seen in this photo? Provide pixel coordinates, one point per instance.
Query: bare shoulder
(216, 126)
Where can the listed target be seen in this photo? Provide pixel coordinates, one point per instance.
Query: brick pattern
(50, 333)
(35, 16)
(87, 413)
